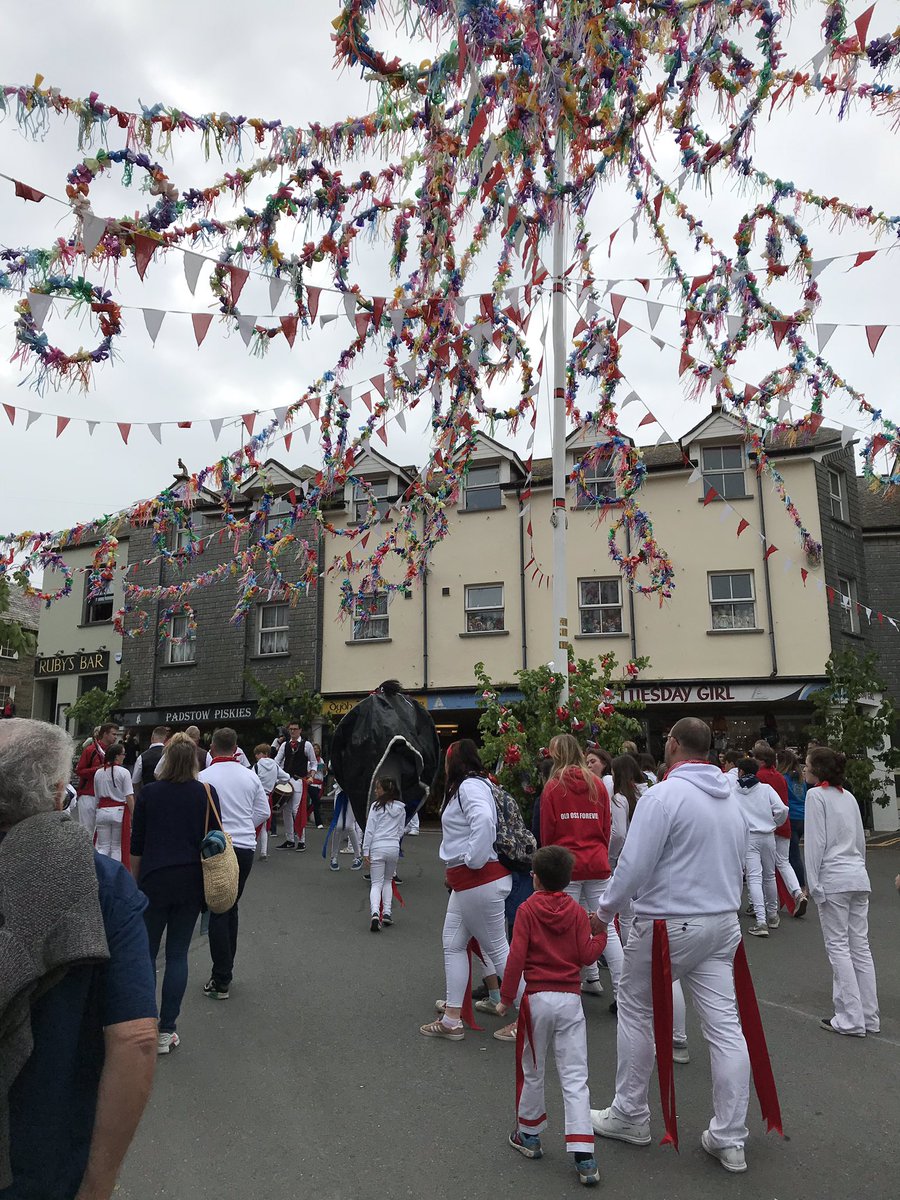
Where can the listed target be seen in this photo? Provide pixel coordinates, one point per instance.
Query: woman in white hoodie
(764, 812)
(381, 849)
(838, 882)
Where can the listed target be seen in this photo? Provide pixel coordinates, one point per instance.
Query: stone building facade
(16, 668)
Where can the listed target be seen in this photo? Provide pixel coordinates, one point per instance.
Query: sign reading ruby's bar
(719, 693)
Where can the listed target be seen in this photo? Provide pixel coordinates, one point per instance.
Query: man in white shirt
(243, 806)
(147, 763)
(682, 864)
(298, 758)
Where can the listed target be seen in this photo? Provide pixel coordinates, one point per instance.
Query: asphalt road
(312, 1080)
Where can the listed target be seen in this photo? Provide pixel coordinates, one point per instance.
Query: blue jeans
(522, 888)
(177, 921)
(795, 858)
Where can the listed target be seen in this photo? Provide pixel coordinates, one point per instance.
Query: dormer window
(599, 479)
(482, 489)
(723, 471)
(374, 491)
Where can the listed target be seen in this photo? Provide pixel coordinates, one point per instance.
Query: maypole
(558, 518)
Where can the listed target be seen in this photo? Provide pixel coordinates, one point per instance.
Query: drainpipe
(767, 576)
(634, 653)
(522, 608)
(425, 627)
(320, 612)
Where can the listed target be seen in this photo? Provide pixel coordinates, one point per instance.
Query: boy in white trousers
(552, 941)
(764, 811)
(269, 774)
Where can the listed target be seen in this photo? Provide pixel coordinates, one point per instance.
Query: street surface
(313, 1081)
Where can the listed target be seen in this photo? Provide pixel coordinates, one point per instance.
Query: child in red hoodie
(551, 943)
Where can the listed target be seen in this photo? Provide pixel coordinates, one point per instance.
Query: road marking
(879, 845)
(801, 1012)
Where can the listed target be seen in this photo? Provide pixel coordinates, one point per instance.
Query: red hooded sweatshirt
(777, 781)
(571, 817)
(551, 942)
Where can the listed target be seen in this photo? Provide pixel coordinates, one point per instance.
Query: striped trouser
(555, 1018)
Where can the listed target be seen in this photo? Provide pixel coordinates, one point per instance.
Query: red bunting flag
(362, 323)
(645, 284)
(377, 309)
(201, 323)
(612, 238)
(487, 307)
(691, 317)
(382, 433)
(10, 412)
(804, 575)
(288, 438)
(367, 400)
(580, 327)
(377, 382)
(710, 496)
(61, 423)
(770, 550)
(742, 525)
(24, 192)
(249, 420)
(779, 329)
(292, 495)
(749, 392)
(312, 301)
(699, 280)
(648, 420)
(861, 25)
(462, 58)
(830, 593)
(622, 328)
(814, 421)
(873, 335)
(124, 429)
(657, 204)
(144, 249)
(863, 257)
(685, 362)
(315, 403)
(239, 276)
(289, 327)
(615, 303)
(479, 125)
(879, 441)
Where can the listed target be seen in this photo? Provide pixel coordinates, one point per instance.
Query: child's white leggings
(381, 893)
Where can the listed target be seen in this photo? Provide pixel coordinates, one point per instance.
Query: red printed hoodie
(777, 781)
(570, 817)
(551, 942)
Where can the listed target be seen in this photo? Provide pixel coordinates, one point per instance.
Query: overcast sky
(277, 61)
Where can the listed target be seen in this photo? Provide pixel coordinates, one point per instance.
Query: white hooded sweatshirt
(684, 854)
(763, 807)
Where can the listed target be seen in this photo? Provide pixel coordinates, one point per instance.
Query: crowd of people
(631, 864)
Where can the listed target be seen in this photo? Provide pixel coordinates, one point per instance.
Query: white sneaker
(607, 1124)
(680, 1052)
(758, 930)
(773, 922)
(166, 1042)
(592, 987)
(731, 1157)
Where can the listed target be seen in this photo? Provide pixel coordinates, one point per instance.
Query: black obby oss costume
(387, 735)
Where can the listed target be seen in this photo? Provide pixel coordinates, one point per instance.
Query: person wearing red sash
(297, 757)
(790, 890)
(683, 865)
(114, 793)
(93, 756)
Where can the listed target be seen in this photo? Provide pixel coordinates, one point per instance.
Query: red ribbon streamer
(754, 1035)
(663, 1022)
(523, 1030)
(785, 899)
(467, 1012)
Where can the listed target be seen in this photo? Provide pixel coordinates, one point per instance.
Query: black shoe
(369, 877)
(397, 879)
(614, 1008)
(214, 991)
(387, 919)
(375, 926)
(286, 846)
(302, 846)
(480, 993)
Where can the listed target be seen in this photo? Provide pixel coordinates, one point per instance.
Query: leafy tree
(859, 730)
(97, 706)
(22, 641)
(516, 735)
(287, 699)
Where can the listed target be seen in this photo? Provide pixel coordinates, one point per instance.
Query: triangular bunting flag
(361, 320)
(629, 399)
(24, 192)
(861, 25)
(823, 334)
(289, 327)
(276, 290)
(657, 341)
(92, 425)
(770, 550)
(192, 265)
(733, 323)
(863, 257)
(10, 412)
(804, 575)
(216, 426)
(378, 303)
(377, 382)
(144, 249)
(201, 323)
(819, 265)
(350, 306)
(239, 276)
(288, 438)
(742, 525)
(654, 312)
(615, 303)
(312, 301)
(401, 421)
(367, 400)
(39, 303)
(847, 433)
(779, 329)
(873, 335)
(649, 419)
(622, 328)
(249, 420)
(246, 326)
(31, 418)
(92, 231)
(61, 423)
(124, 430)
(280, 415)
(153, 319)
(156, 431)
(382, 433)
(710, 496)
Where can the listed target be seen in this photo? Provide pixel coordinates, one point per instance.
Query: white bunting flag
(401, 421)
(410, 370)
(654, 312)
(327, 318)
(153, 319)
(734, 323)
(216, 427)
(397, 316)
(823, 334)
(156, 431)
(346, 396)
(847, 434)
(350, 306)
(32, 417)
(629, 399)
(818, 58)
(610, 284)
(39, 303)
(276, 289)
(784, 408)
(696, 475)
(305, 432)
(246, 325)
(664, 439)
(192, 265)
(92, 425)
(658, 341)
(818, 266)
(280, 414)
(92, 230)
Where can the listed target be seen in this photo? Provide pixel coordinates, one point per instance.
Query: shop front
(238, 714)
(739, 712)
(455, 713)
(61, 679)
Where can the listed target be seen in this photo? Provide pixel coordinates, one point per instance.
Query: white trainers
(680, 1052)
(758, 931)
(773, 922)
(731, 1157)
(166, 1042)
(607, 1124)
(592, 987)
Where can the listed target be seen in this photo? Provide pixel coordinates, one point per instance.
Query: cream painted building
(78, 647)
(743, 641)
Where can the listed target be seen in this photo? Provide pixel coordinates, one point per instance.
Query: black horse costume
(386, 736)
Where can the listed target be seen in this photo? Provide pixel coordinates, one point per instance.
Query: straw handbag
(220, 871)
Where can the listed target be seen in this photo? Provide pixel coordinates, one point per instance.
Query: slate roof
(877, 512)
(24, 610)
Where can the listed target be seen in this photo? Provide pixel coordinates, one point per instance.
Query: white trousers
(783, 866)
(86, 812)
(381, 893)
(760, 868)
(844, 917)
(263, 840)
(557, 1018)
(702, 954)
(351, 832)
(475, 913)
(108, 832)
(289, 811)
(679, 1009)
(588, 893)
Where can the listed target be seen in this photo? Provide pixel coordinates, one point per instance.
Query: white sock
(451, 1022)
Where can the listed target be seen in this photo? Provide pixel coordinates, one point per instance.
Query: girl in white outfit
(381, 849)
(479, 885)
(764, 811)
(114, 792)
(838, 882)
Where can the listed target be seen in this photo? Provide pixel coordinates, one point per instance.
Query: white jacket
(834, 843)
(684, 854)
(269, 773)
(469, 825)
(763, 807)
(384, 829)
(243, 803)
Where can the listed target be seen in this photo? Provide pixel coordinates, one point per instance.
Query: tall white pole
(558, 518)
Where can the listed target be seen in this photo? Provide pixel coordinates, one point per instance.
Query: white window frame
(180, 652)
(471, 489)
(602, 607)
(722, 474)
(599, 480)
(837, 495)
(369, 625)
(106, 594)
(849, 596)
(719, 605)
(377, 493)
(270, 632)
(472, 611)
(7, 692)
(6, 651)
